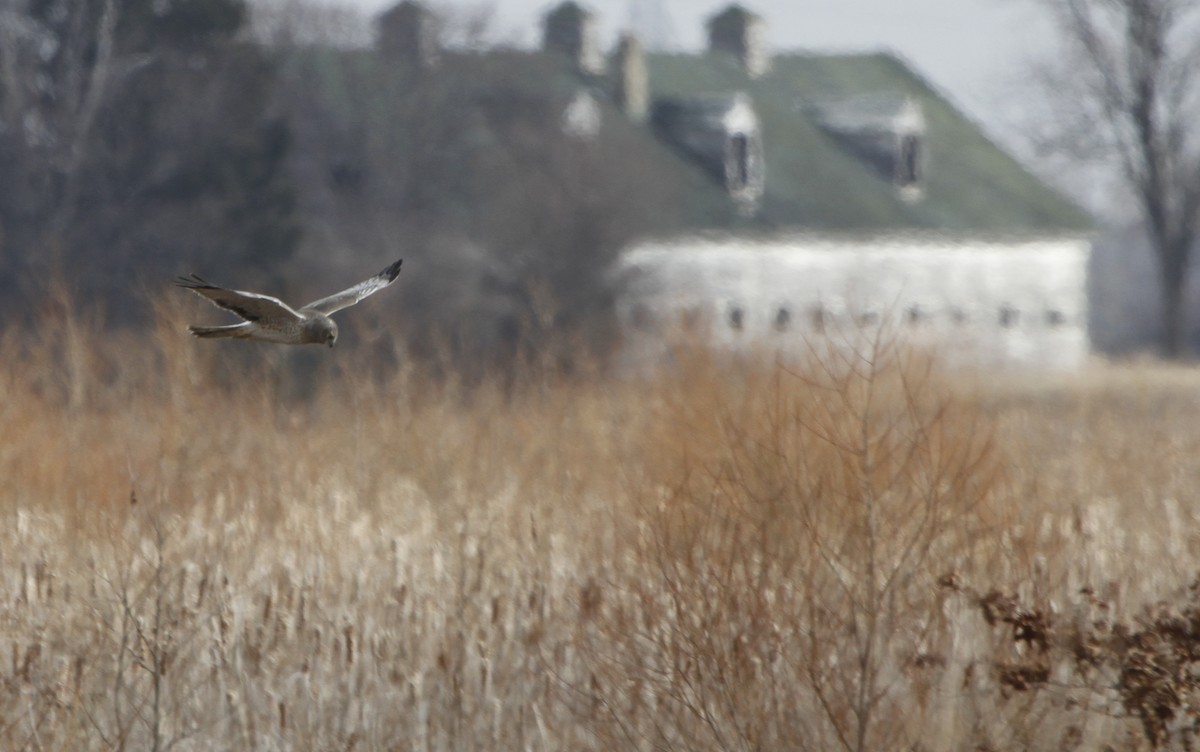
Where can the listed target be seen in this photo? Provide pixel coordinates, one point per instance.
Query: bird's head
(322, 330)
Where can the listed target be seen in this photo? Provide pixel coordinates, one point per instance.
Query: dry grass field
(855, 553)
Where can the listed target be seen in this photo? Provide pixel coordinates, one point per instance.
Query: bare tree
(134, 134)
(514, 217)
(1130, 86)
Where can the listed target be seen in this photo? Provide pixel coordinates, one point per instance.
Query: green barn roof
(812, 181)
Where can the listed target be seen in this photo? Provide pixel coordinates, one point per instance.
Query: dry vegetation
(849, 554)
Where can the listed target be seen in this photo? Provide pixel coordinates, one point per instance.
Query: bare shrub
(793, 522)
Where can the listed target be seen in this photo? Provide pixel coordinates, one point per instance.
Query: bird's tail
(211, 332)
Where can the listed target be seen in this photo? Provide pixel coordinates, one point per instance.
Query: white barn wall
(958, 286)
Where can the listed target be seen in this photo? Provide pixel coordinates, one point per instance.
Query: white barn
(806, 193)
(989, 300)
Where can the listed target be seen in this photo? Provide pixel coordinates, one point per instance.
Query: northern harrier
(271, 320)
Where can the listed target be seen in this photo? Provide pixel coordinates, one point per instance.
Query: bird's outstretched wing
(249, 305)
(351, 296)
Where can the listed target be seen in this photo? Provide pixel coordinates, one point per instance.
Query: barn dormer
(409, 32)
(581, 116)
(721, 133)
(885, 130)
(742, 33)
(571, 29)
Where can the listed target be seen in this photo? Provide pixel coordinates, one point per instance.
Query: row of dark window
(818, 317)
(1007, 316)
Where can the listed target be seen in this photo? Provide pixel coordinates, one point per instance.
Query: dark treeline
(141, 139)
(138, 138)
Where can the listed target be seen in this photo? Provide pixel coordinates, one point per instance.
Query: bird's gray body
(314, 328)
(269, 319)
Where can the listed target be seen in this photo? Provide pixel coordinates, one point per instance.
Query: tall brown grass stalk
(794, 521)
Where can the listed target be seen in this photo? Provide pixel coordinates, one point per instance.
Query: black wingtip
(392, 271)
(192, 282)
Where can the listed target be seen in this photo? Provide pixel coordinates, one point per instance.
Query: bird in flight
(269, 319)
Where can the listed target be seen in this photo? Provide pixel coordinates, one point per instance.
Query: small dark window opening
(740, 144)
(737, 318)
(908, 165)
(816, 318)
(1055, 317)
(914, 314)
(1008, 316)
(783, 319)
(868, 318)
